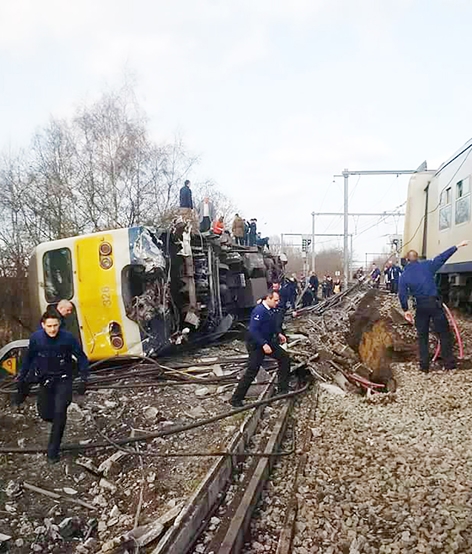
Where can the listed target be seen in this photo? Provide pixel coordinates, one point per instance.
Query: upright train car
(438, 216)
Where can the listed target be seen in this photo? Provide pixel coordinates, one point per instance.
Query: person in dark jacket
(62, 311)
(314, 286)
(247, 228)
(264, 339)
(375, 276)
(418, 281)
(393, 272)
(186, 196)
(290, 291)
(329, 286)
(252, 232)
(50, 352)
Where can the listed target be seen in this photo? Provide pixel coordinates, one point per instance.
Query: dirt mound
(379, 334)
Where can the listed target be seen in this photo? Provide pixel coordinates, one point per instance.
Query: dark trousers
(394, 287)
(252, 240)
(54, 397)
(256, 357)
(429, 309)
(239, 240)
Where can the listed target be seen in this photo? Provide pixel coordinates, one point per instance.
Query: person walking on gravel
(50, 353)
(418, 281)
(264, 339)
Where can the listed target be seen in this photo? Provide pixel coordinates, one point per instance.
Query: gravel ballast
(394, 476)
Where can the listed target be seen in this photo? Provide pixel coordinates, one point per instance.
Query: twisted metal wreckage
(142, 291)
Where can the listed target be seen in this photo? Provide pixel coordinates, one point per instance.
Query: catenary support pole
(346, 228)
(351, 258)
(313, 241)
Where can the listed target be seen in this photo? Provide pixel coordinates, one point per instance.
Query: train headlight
(117, 342)
(106, 262)
(105, 249)
(116, 335)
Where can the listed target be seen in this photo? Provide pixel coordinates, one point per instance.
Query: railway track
(218, 517)
(219, 461)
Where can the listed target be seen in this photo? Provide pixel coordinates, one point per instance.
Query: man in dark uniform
(50, 352)
(186, 196)
(375, 276)
(314, 285)
(393, 272)
(253, 232)
(418, 281)
(264, 339)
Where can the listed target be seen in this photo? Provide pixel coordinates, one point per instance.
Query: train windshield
(58, 280)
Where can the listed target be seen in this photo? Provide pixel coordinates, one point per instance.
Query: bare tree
(97, 170)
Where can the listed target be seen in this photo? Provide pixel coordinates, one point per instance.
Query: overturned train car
(438, 216)
(142, 291)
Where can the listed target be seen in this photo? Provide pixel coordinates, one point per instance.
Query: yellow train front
(91, 272)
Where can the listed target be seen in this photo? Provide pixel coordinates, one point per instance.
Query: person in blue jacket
(393, 273)
(185, 196)
(418, 281)
(375, 276)
(264, 339)
(50, 353)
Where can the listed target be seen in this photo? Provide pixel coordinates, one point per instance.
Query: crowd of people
(391, 273)
(244, 232)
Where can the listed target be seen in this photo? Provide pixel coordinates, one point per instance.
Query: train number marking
(106, 296)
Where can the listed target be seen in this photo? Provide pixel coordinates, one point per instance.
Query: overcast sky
(276, 96)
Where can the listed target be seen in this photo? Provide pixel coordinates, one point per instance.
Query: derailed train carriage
(142, 291)
(438, 216)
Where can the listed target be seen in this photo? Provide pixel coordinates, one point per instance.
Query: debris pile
(107, 500)
(352, 344)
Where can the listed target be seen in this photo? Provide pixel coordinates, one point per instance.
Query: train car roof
(456, 155)
(62, 242)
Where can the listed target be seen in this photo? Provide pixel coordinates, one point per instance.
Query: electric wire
(168, 431)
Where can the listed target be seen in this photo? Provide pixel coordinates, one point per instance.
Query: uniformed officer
(50, 353)
(418, 281)
(393, 271)
(264, 339)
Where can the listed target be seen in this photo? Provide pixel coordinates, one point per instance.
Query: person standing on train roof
(264, 338)
(186, 200)
(252, 232)
(418, 281)
(218, 226)
(50, 353)
(238, 229)
(246, 232)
